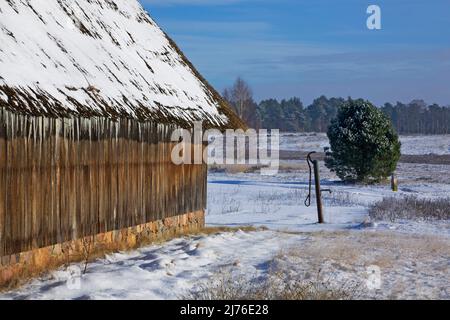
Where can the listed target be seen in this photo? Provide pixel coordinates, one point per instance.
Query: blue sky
(302, 48)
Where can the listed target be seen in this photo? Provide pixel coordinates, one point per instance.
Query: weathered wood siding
(63, 179)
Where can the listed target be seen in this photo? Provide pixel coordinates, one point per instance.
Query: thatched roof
(99, 58)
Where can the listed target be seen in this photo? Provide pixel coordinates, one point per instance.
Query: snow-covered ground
(165, 271)
(412, 145)
(433, 144)
(411, 258)
(303, 141)
(410, 266)
(277, 203)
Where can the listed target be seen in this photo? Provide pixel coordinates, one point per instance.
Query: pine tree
(364, 144)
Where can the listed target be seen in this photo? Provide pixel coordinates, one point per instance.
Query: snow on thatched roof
(99, 58)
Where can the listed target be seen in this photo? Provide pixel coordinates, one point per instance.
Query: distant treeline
(415, 117)
(291, 115)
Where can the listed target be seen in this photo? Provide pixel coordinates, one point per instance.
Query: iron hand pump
(315, 164)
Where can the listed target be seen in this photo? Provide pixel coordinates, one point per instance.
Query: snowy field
(411, 145)
(412, 258)
(278, 204)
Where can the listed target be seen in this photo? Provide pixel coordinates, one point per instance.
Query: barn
(90, 94)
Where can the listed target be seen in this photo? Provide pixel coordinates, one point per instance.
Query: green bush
(364, 145)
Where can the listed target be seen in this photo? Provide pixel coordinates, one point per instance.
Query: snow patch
(3, 97)
(411, 145)
(161, 272)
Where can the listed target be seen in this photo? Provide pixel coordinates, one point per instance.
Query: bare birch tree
(240, 97)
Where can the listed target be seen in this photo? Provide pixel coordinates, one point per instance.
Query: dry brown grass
(278, 285)
(349, 245)
(218, 230)
(411, 208)
(284, 166)
(409, 261)
(411, 173)
(234, 169)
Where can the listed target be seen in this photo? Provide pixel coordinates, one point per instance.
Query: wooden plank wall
(63, 179)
